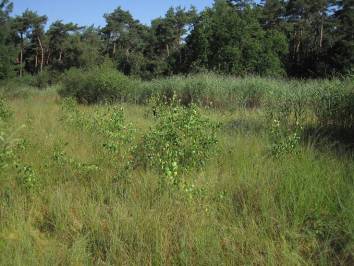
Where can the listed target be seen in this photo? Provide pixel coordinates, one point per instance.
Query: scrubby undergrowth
(173, 183)
(313, 102)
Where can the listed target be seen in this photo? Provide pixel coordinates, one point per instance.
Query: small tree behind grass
(6, 152)
(180, 141)
(5, 113)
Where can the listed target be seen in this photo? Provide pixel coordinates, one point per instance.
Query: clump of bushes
(6, 149)
(42, 80)
(180, 141)
(17, 86)
(5, 112)
(96, 85)
(107, 122)
(284, 140)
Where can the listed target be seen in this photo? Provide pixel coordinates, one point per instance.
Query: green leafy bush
(118, 134)
(17, 87)
(70, 113)
(181, 140)
(63, 160)
(6, 150)
(285, 112)
(96, 85)
(6, 142)
(5, 113)
(284, 140)
(107, 122)
(41, 80)
(27, 177)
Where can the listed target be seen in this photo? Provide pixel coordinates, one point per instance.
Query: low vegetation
(97, 85)
(321, 102)
(207, 170)
(290, 38)
(193, 140)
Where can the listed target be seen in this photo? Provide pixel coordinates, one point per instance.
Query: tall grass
(253, 208)
(324, 102)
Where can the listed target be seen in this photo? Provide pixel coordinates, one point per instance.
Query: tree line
(295, 38)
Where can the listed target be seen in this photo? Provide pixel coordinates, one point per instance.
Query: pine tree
(232, 41)
(342, 54)
(58, 36)
(6, 51)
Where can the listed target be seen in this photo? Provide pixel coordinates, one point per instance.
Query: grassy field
(68, 200)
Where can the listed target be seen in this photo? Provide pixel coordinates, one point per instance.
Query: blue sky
(88, 12)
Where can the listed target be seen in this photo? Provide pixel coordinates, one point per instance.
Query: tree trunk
(178, 45)
(321, 34)
(298, 46)
(21, 57)
(60, 55)
(42, 53)
(114, 48)
(294, 47)
(48, 57)
(168, 50)
(21, 61)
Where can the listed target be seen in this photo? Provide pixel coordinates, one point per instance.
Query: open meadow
(196, 177)
(200, 132)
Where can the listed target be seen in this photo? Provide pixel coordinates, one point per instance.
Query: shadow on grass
(335, 138)
(245, 126)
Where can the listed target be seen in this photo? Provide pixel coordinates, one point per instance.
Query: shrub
(4, 111)
(6, 143)
(63, 160)
(180, 141)
(284, 140)
(117, 133)
(16, 92)
(70, 113)
(285, 111)
(6, 151)
(96, 85)
(41, 80)
(107, 122)
(27, 177)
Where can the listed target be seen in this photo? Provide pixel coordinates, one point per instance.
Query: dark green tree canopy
(297, 38)
(6, 49)
(241, 47)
